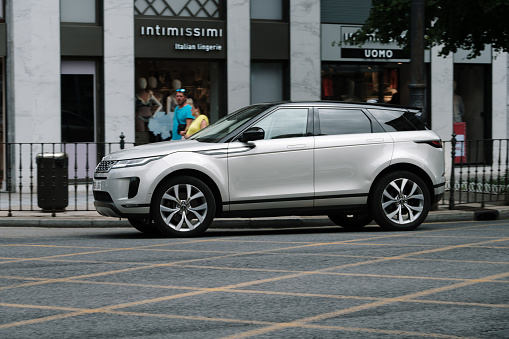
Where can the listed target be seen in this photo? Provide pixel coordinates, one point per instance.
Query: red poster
(460, 129)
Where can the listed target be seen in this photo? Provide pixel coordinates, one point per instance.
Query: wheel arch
(203, 177)
(409, 168)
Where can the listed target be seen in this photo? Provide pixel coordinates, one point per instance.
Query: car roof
(328, 103)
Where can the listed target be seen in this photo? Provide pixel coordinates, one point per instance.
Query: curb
(276, 222)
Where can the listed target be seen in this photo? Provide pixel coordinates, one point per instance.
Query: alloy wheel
(183, 207)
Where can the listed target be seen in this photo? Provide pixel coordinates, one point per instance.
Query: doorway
(78, 123)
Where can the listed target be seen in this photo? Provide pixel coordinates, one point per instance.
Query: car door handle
(296, 146)
(375, 140)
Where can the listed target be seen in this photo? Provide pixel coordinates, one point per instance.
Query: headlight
(135, 162)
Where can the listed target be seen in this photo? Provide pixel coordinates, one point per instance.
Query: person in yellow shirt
(200, 118)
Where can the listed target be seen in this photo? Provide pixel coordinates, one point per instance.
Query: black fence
(53, 177)
(478, 173)
(50, 177)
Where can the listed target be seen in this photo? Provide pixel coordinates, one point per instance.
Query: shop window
(267, 9)
(179, 8)
(78, 11)
(266, 82)
(157, 82)
(361, 83)
(2, 10)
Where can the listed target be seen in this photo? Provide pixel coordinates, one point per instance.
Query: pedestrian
(200, 118)
(182, 117)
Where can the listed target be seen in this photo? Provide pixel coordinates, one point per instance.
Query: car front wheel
(183, 207)
(400, 201)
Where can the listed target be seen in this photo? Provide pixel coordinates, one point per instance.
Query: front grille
(105, 165)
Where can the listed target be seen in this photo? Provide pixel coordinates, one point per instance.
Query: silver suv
(353, 162)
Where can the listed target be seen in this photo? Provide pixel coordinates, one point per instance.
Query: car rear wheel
(144, 225)
(400, 201)
(355, 219)
(183, 207)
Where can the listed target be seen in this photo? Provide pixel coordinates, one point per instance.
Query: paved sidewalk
(81, 219)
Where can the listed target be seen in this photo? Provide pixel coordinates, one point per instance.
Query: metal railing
(477, 173)
(21, 174)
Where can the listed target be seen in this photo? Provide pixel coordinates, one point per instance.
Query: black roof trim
(355, 103)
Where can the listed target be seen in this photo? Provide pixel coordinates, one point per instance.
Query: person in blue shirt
(182, 117)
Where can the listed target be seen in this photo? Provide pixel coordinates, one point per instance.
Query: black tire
(400, 201)
(183, 207)
(144, 225)
(354, 219)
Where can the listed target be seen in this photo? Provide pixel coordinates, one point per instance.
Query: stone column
(442, 94)
(33, 71)
(500, 96)
(305, 58)
(239, 53)
(500, 108)
(119, 82)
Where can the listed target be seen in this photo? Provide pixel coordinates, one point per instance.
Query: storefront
(459, 91)
(176, 54)
(373, 72)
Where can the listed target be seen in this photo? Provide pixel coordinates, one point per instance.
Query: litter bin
(52, 181)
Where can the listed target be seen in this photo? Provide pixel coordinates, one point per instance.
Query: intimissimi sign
(183, 32)
(180, 39)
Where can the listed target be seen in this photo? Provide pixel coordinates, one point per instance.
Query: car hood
(163, 148)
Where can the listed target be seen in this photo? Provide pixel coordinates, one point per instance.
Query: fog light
(134, 184)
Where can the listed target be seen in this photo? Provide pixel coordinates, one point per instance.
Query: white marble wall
(33, 70)
(305, 47)
(239, 53)
(500, 96)
(442, 79)
(119, 83)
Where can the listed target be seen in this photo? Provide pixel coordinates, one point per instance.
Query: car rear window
(398, 120)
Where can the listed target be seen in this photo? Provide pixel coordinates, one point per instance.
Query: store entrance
(78, 126)
(472, 110)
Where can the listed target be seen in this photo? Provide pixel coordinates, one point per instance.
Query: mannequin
(171, 103)
(152, 84)
(146, 105)
(161, 123)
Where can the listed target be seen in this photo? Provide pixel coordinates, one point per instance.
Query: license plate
(98, 185)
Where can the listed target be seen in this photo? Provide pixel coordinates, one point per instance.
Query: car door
(276, 172)
(350, 150)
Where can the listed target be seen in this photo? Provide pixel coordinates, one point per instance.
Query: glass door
(78, 126)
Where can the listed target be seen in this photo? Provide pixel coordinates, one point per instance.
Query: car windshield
(220, 129)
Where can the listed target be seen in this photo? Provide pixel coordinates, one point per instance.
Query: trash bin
(52, 181)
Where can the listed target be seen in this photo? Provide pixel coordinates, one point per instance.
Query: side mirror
(252, 134)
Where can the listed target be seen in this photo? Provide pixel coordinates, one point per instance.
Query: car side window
(343, 121)
(285, 123)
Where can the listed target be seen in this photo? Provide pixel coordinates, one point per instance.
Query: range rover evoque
(355, 162)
